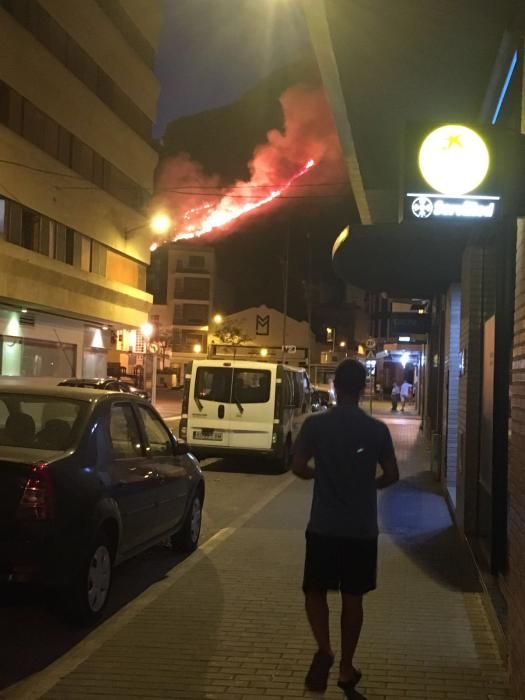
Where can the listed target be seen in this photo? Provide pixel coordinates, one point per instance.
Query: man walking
(341, 537)
(406, 390)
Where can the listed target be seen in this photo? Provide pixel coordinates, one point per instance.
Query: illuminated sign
(449, 174)
(424, 206)
(454, 159)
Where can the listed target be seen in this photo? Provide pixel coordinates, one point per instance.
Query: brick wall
(469, 388)
(515, 582)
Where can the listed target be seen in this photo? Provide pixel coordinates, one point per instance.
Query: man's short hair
(350, 377)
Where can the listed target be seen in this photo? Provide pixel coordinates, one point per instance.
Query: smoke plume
(303, 160)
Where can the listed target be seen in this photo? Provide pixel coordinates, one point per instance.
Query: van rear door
(209, 404)
(252, 407)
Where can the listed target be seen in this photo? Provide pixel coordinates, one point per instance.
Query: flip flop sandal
(317, 677)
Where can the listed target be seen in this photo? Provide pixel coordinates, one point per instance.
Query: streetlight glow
(263, 352)
(197, 347)
(217, 318)
(342, 344)
(160, 222)
(147, 330)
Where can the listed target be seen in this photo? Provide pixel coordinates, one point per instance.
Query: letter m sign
(262, 325)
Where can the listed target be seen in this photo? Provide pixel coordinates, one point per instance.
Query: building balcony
(33, 280)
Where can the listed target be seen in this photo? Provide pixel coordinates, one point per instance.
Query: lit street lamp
(197, 348)
(147, 330)
(218, 319)
(160, 223)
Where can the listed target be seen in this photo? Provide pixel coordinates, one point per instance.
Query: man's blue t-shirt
(347, 445)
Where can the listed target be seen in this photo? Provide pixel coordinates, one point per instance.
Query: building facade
(77, 100)
(182, 280)
(266, 331)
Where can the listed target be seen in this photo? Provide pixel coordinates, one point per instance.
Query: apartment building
(77, 100)
(182, 280)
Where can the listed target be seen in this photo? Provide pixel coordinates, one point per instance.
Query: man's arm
(390, 473)
(388, 463)
(300, 466)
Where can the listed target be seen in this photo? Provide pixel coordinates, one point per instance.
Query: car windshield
(87, 384)
(39, 422)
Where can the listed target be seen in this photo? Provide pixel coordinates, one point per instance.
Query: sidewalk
(229, 624)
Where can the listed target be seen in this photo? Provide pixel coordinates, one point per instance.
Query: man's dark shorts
(339, 564)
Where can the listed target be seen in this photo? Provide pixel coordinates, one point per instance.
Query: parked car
(320, 400)
(107, 384)
(89, 478)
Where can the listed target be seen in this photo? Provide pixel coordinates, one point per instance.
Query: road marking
(40, 683)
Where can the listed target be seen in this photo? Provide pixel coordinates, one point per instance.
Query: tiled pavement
(232, 624)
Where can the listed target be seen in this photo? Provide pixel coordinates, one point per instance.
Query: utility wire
(39, 170)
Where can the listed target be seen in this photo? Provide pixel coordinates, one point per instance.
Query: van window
(298, 390)
(213, 384)
(251, 385)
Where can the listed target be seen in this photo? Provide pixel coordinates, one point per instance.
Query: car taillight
(38, 499)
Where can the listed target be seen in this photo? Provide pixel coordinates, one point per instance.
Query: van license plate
(207, 434)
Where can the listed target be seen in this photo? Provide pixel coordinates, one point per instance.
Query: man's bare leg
(318, 616)
(351, 624)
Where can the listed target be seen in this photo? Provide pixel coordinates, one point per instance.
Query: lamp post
(147, 331)
(159, 223)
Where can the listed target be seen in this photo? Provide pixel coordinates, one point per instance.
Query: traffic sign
(371, 343)
(370, 355)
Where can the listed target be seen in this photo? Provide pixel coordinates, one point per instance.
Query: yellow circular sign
(454, 159)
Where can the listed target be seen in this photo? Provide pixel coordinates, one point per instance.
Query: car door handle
(220, 411)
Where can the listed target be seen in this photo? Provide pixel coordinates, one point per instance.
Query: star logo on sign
(422, 207)
(454, 140)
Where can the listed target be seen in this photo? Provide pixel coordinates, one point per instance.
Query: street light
(218, 319)
(197, 348)
(160, 223)
(147, 330)
(342, 344)
(263, 352)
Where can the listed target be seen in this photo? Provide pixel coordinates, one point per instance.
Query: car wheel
(187, 539)
(282, 462)
(89, 591)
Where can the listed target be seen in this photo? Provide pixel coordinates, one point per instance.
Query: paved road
(32, 634)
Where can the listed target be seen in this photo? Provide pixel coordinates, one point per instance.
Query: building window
(24, 118)
(195, 314)
(25, 357)
(43, 27)
(98, 258)
(196, 261)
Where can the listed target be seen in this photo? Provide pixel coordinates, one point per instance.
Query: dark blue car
(89, 478)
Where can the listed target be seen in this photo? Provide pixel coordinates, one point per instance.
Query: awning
(409, 260)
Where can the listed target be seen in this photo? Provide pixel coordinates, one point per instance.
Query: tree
(231, 334)
(165, 342)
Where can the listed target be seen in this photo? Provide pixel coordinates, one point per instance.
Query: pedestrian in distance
(342, 532)
(395, 395)
(406, 392)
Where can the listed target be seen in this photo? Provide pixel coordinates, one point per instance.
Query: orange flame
(227, 211)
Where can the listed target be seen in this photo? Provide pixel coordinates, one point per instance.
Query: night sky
(213, 51)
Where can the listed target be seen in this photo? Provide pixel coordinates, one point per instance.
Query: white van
(244, 407)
